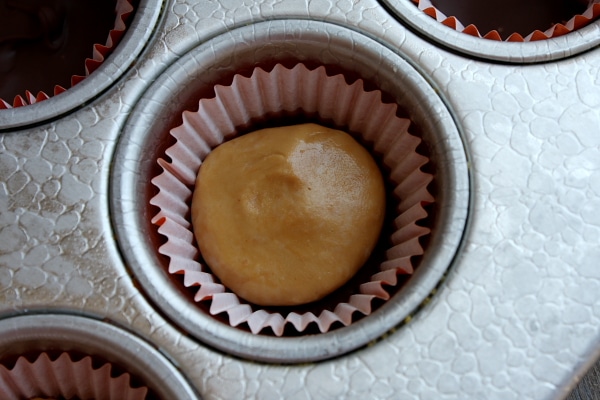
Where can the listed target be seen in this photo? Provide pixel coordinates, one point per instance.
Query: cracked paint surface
(517, 316)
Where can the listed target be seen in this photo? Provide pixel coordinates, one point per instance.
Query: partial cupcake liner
(576, 22)
(284, 91)
(123, 10)
(65, 378)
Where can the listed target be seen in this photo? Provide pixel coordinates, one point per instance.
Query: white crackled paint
(517, 315)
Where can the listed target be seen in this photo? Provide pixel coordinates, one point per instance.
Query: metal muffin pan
(62, 332)
(515, 317)
(528, 52)
(147, 129)
(139, 30)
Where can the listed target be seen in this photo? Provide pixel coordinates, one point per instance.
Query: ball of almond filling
(285, 216)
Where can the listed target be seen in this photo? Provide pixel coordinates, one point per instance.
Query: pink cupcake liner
(280, 92)
(576, 22)
(123, 10)
(65, 378)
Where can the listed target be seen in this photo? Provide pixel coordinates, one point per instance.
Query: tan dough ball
(284, 216)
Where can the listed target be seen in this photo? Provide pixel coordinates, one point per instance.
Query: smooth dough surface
(284, 216)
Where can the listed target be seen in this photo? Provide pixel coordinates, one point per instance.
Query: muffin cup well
(98, 52)
(424, 20)
(556, 30)
(276, 92)
(56, 355)
(140, 30)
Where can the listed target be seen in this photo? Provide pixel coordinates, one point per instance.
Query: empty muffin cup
(66, 356)
(86, 58)
(56, 35)
(69, 356)
(66, 377)
(514, 32)
(518, 22)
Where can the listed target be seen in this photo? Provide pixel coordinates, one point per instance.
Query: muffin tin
(510, 311)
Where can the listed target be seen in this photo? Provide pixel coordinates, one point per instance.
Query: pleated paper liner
(98, 53)
(65, 377)
(280, 93)
(559, 28)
